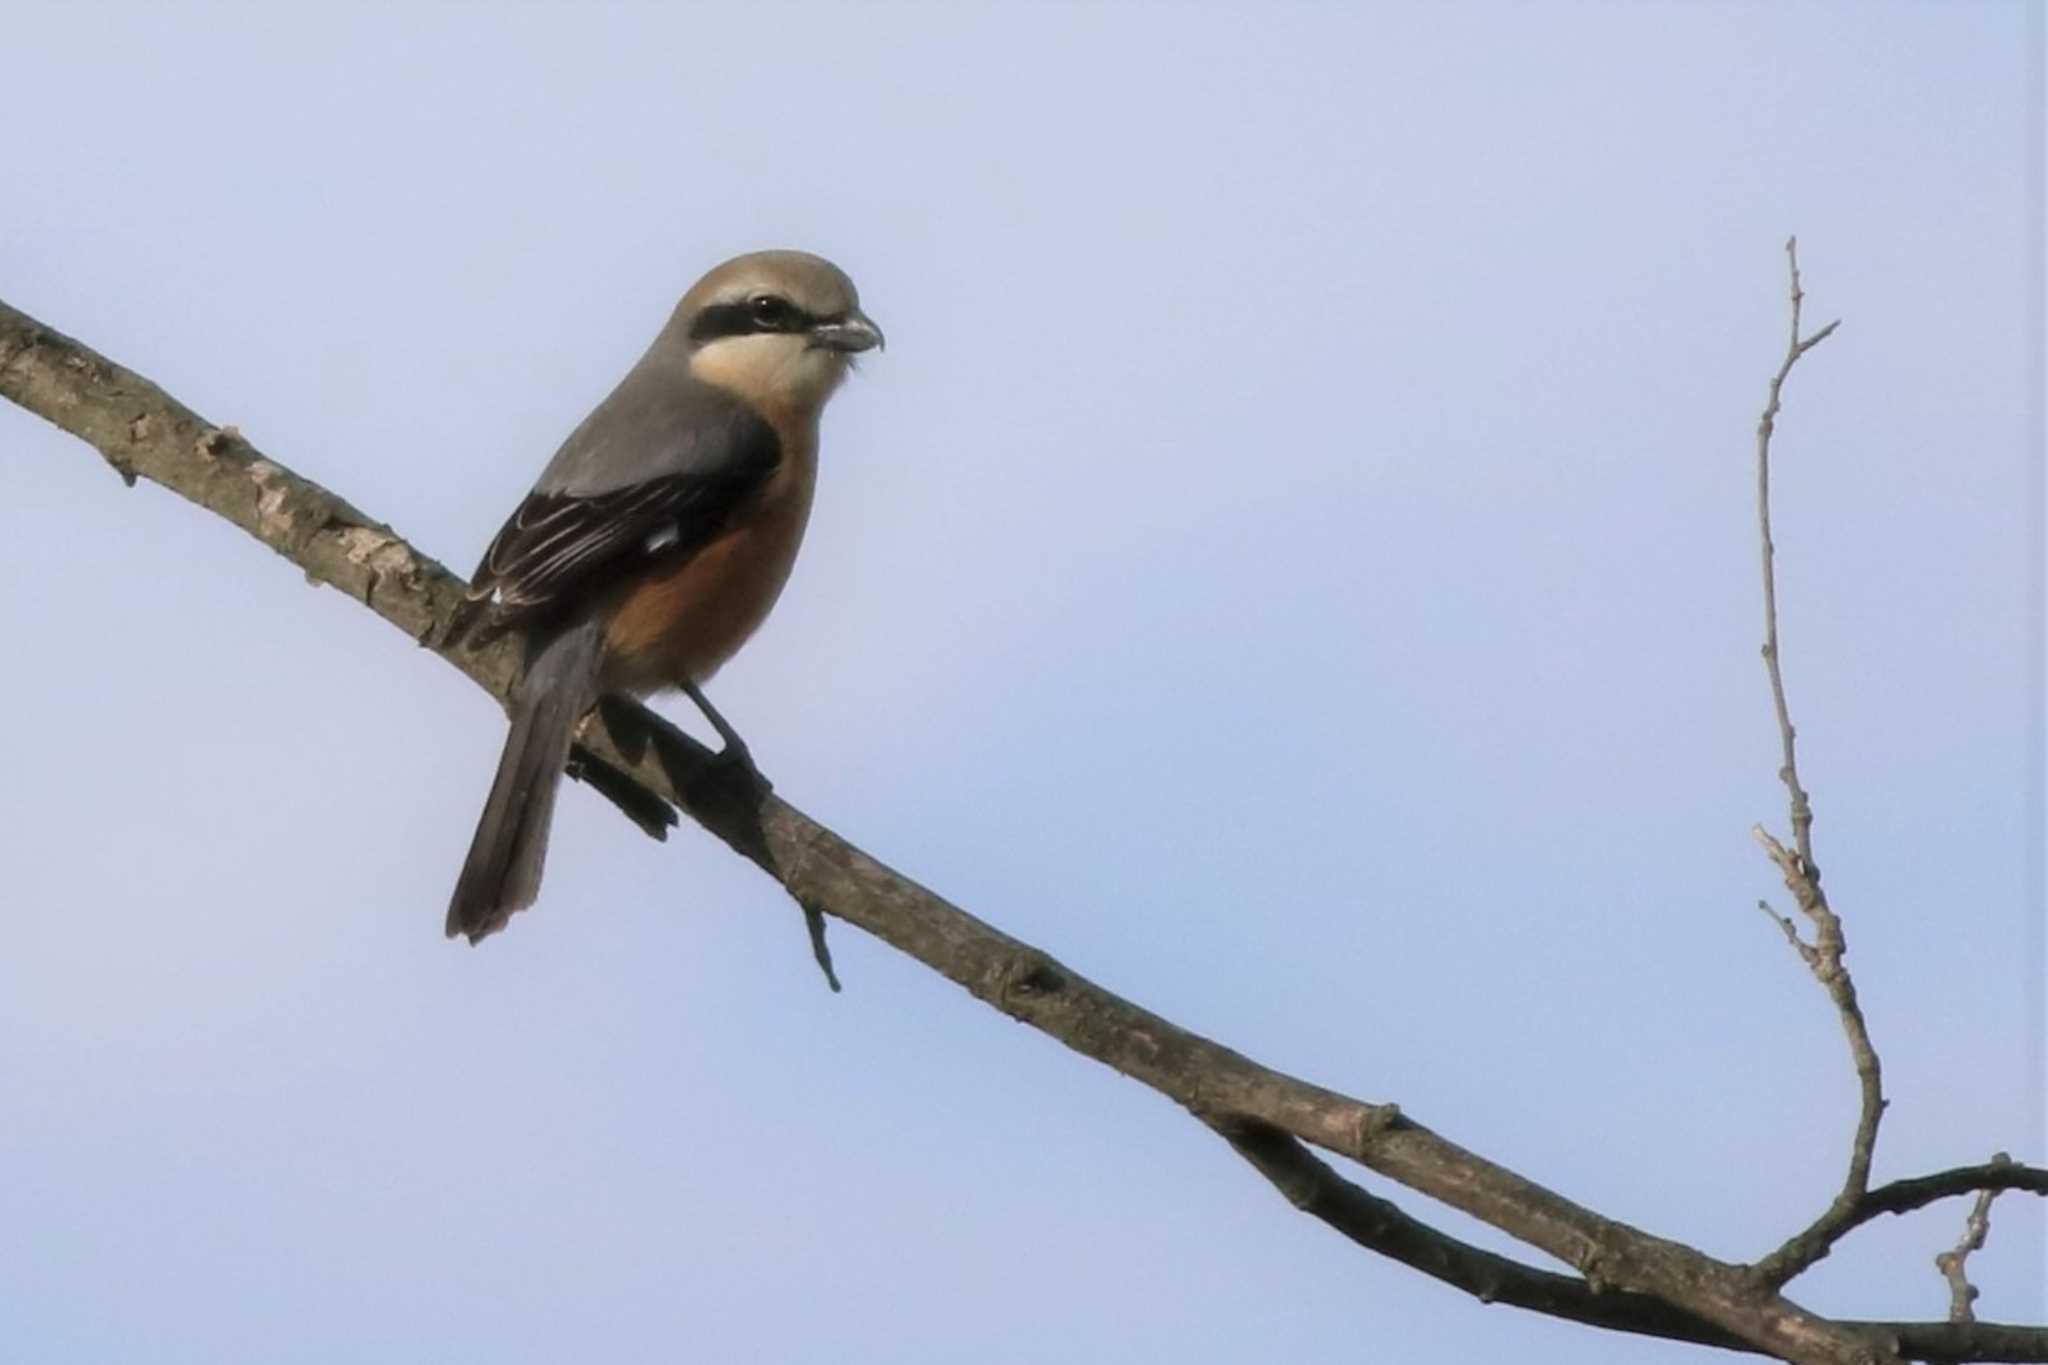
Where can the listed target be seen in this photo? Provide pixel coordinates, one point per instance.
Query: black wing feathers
(561, 549)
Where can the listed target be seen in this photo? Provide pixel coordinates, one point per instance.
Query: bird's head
(778, 328)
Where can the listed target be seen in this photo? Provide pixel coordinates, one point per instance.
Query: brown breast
(685, 622)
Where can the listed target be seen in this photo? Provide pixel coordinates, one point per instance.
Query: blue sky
(1295, 563)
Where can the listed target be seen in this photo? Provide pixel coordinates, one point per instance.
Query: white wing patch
(663, 538)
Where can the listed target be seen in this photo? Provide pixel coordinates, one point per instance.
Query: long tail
(502, 873)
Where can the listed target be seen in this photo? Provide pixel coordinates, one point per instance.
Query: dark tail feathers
(502, 873)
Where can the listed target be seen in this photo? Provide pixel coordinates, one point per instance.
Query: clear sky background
(1295, 562)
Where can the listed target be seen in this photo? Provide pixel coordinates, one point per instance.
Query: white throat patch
(778, 372)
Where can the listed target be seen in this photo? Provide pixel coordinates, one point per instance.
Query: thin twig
(1801, 873)
(821, 952)
(1766, 427)
(1954, 1263)
(1807, 953)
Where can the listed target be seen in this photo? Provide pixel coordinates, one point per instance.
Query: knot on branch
(1028, 977)
(215, 440)
(1373, 1120)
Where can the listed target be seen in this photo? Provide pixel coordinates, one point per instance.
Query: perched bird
(658, 537)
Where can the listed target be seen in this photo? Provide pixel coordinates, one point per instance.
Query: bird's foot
(722, 784)
(727, 776)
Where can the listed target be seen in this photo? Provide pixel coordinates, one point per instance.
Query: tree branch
(1317, 1190)
(1903, 1196)
(1954, 1263)
(144, 433)
(1313, 1187)
(1802, 875)
(1802, 810)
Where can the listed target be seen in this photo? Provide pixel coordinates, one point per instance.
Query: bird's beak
(853, 333)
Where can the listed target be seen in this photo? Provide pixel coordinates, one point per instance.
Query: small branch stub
(1954, 1263)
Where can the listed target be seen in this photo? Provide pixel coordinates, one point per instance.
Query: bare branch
(1958, 1341)
(1802, 875)
(1311, 1186)
(1903, 1196)
(1802, 809)
(145, 433)
(1954, 1263)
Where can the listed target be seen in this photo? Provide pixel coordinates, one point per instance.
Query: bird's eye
(770, 311)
